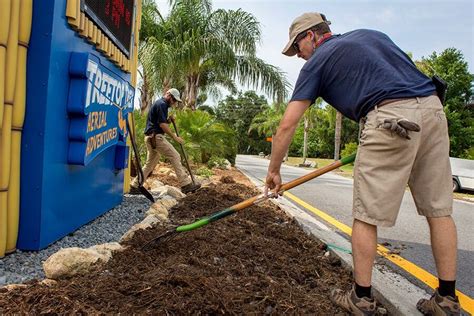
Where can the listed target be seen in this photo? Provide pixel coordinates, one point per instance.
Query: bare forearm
(281, 142)
(166, 128)
(285, 132)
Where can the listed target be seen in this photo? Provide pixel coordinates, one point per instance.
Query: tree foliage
(204, 136)
(198, 50)
(238, 112)
(451, 66)
(321, 136)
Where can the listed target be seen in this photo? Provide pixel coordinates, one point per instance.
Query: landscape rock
(48, 282)
(228, 165)
(71, 261)
(158, 210)
(108, 249)
(168, 203)
(160, 191)
(11, 287)
(175, 192)
(148, 222)
(155, 183)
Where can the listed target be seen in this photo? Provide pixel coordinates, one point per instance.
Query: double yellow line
(467, 303)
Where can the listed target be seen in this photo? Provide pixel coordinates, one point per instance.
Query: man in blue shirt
(403, 139)
(156, 128)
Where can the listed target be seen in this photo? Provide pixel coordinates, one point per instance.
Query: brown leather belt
(388, 101)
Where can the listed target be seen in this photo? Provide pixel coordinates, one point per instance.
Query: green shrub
(349, 149)
(204, 136)
(468, 154)
(217, 162)
(204, 172)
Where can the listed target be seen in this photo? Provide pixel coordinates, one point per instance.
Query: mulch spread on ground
(258, 261)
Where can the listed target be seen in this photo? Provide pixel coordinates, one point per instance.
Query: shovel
(184, 153)
(140, 174)
(250, 202)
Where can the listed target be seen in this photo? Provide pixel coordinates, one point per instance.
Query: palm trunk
(337, 135)
(191, 91)
(305, 139)
(145, 97)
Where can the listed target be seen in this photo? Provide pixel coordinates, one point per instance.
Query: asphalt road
(332, 194)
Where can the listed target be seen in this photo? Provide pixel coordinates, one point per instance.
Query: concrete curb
(396, 293)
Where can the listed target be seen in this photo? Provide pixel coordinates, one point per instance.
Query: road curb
(396, 293)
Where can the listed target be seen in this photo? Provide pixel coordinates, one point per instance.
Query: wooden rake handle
(261, 197)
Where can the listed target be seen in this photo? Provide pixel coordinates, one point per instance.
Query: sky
(417, 26)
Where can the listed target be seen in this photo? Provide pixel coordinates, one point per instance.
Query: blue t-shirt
(157, 114)
(355, 71)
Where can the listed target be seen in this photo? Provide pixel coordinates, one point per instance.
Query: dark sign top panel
(115, 18)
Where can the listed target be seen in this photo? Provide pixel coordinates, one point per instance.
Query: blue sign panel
(73, 143)
(98, 102)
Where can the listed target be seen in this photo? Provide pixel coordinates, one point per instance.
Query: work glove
(401, 126)
(153, 141)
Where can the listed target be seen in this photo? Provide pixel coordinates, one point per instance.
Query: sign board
(98, 104)
(115, 18)
(73, 149)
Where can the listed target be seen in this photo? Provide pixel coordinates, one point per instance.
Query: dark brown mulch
(255, 262)
(227, 179)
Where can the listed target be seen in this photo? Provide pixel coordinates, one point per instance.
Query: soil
(258, 261)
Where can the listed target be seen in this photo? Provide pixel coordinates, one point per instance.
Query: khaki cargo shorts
(386, 163)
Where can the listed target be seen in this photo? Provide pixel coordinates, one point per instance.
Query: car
(463, 174)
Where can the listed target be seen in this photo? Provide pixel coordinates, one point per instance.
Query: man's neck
(322, 39)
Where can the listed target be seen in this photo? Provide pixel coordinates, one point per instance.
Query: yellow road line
(467, 303)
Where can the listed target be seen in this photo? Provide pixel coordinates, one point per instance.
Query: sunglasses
(298, 38)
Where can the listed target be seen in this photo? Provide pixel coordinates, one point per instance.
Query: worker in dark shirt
(403, 139)
(156, 143)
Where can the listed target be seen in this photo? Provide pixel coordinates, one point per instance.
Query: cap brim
(176, 98)
(289, 50)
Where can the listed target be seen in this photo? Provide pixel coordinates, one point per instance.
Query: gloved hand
(401, 126)
(153, 141)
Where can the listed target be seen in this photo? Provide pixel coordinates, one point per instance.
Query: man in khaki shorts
(403, 140)
(156, 128)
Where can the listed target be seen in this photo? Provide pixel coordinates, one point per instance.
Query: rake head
(170, 234)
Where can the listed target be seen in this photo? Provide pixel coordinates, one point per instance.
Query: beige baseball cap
(300, 24)
(175, 93)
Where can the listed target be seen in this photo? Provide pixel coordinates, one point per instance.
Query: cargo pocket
(440, 115)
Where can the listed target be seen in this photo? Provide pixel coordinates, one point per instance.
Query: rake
(249, 202)
(184, 153)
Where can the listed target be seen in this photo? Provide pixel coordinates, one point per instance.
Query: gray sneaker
(189, 188)
(353, 304)
(439, 305)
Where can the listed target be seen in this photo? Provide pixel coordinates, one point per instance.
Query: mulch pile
(258, 261)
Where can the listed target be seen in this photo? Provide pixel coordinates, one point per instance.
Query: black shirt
(157, 114)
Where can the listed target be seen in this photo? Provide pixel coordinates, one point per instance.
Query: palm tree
(156, 70)
(198, 49)
(204, 136)
(266, 123)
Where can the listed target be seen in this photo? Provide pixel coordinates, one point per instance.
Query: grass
(345, 170)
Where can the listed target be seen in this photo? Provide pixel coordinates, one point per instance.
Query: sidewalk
(396, 293)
